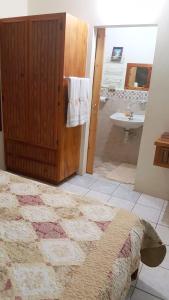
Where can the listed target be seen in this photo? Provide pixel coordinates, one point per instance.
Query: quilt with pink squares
(57, 245)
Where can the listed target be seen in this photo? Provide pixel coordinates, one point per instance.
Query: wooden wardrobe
(37, 53)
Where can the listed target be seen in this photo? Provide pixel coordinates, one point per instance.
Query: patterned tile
(8, 200)
(49, 230)
(30, 200)
(18, 231)
(59, 200)
(81, 230)
(24, 189)
(38, 213)
(35, 282)
(98, 212)
(62, 252)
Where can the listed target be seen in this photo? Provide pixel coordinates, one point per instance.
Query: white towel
(84, 101)
(74, 103)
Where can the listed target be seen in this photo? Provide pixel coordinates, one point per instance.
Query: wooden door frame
(98, 68)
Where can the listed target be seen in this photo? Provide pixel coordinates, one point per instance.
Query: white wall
(103, 12)
(14, 8)
(98, 13)
(10, 8)
(138, 47)
(150, 179)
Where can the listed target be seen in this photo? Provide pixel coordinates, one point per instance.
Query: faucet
(131, 115)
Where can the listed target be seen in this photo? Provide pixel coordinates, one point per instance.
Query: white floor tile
(73, 188)
(121, 203)
(147, 213)
(126, 192)
(141, 295)
(105, 186)
(165, 263)
(154, 281)
(151, 201)
(100, 197)
(85, 181)
(130, 293)
(164, 216)
(163, 233)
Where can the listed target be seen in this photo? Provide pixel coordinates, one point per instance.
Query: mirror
(138, 77)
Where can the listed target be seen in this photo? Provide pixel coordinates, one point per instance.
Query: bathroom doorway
(123, 64)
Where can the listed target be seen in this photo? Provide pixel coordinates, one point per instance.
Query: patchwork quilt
(56, 245)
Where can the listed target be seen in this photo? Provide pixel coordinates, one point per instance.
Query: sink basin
(120, 120)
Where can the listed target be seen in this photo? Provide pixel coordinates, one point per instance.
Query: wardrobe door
(45, 43)
(14, 72)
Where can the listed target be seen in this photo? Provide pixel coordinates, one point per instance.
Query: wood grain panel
(44, 49)
(95, 98)
(161, 158)
(14, 65)
(31, 168)
(76, 41)
(36, 53)
(27, 151)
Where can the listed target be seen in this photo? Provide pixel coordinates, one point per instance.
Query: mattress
(57, 245)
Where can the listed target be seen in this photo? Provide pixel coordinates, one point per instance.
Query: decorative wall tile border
(139, 96)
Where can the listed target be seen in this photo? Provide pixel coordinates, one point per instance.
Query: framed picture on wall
(117, 54)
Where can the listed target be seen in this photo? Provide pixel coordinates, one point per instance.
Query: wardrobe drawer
(31, 152)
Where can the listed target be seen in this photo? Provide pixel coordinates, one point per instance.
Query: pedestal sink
(120, 120)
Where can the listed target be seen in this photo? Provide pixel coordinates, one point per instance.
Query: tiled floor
(152, 283)
(122, 172)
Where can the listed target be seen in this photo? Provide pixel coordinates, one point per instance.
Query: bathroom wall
(139, 46)
(10, 8)
(151, 179)
(110, 145)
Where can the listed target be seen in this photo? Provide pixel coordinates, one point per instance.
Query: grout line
(148, 293)
(160, 209)
(160, 213)
(163, 268)
(115, 190)
(132, 293)
(162, 225)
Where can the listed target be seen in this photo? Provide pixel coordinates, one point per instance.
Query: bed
(57, 245)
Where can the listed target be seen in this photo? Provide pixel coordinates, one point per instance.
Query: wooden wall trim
(98, 68)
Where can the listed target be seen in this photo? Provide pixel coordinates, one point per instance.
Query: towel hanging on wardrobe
(84, 101)
(78, 105)
(73, 103)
